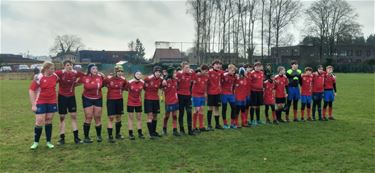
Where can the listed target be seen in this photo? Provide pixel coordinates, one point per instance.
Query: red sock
(195, 116)
(225, 121)
(236, 120)
(273, 115)
(324, 112)
(308, 113)
(166, 117)
(243, 118)
(174, 116)
(330, 111)
(295, 113)
(201, 121)
(302, 113)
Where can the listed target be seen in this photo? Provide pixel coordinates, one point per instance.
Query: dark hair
(319, 66)
(67, 61)
(308, 69)
(216, 61)
(293, 62)
(257, 63)
(204, 67)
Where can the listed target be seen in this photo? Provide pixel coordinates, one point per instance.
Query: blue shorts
(86, 102)
(306, 99)
(317, 96)
(46, 108)
(171, 108)
(241, 103)
(293, 93)
(198, 101)
(248, 101)
(329, 96)
(225, 98)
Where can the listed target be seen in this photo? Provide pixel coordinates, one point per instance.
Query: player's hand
(335, 94)
(33, 108)
(286, 95)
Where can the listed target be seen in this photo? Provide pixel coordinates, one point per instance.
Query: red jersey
(307, 82)
(115, 85)
(45, 88)
(214, 84)
(152, 85)
(134, 88)
(256, 78)
(318, 82)
(269, 95)
(170, 92)
(67, 81)
(92, 86)
(281, 82)
(241, 89)
(227, 81)
(184, 83)
(329, 81)
(199, 85)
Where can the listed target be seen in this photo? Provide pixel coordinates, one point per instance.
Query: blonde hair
(46, 65)
(231, 66)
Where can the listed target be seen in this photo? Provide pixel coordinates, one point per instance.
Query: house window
(368, 52)
(350, 52)
(358, 53)
(343, 53)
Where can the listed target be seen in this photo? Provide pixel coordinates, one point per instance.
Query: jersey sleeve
(34, 86)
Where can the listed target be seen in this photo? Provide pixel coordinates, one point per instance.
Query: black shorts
(280, 100)
(213, 100)
(152, 106)
(132, 109)
(256, 98)
(115, 107)
(66, 103)
(184, 101)
(86, 102)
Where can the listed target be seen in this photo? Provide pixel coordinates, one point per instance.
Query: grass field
(344, 145)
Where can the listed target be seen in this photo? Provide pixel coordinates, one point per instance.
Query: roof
(167, 53)
(11, 58)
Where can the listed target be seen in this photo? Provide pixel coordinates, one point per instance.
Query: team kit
(185, 92)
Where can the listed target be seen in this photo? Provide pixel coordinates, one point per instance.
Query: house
(11, 59)
(168, 56)
(96, 56)
(309, 54)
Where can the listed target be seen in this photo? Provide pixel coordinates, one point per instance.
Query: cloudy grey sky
(31, 26)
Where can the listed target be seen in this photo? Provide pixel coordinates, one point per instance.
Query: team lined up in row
(245, 89)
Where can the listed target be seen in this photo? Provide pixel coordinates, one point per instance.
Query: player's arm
(32, 95)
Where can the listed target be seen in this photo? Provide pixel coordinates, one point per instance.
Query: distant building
(168, 56)
(308, 54)
(11, 59)
(96, 56)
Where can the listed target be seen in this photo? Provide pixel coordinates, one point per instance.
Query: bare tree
(66, 44)
(330, 20)
(286, 12)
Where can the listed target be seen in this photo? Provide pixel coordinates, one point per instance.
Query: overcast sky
(31, 26)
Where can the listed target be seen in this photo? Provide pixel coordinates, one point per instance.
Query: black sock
(86, 129)
(251, 114)
(149, 126)
(62, 136)
(75, 133)
(154, 125)
(118, 127)
(37, 132)
(217, 120)
(109, 130)
(48, 128)
(140, 131)
(131, 132)
(98, 130)
(209, 117)
(257, 112)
